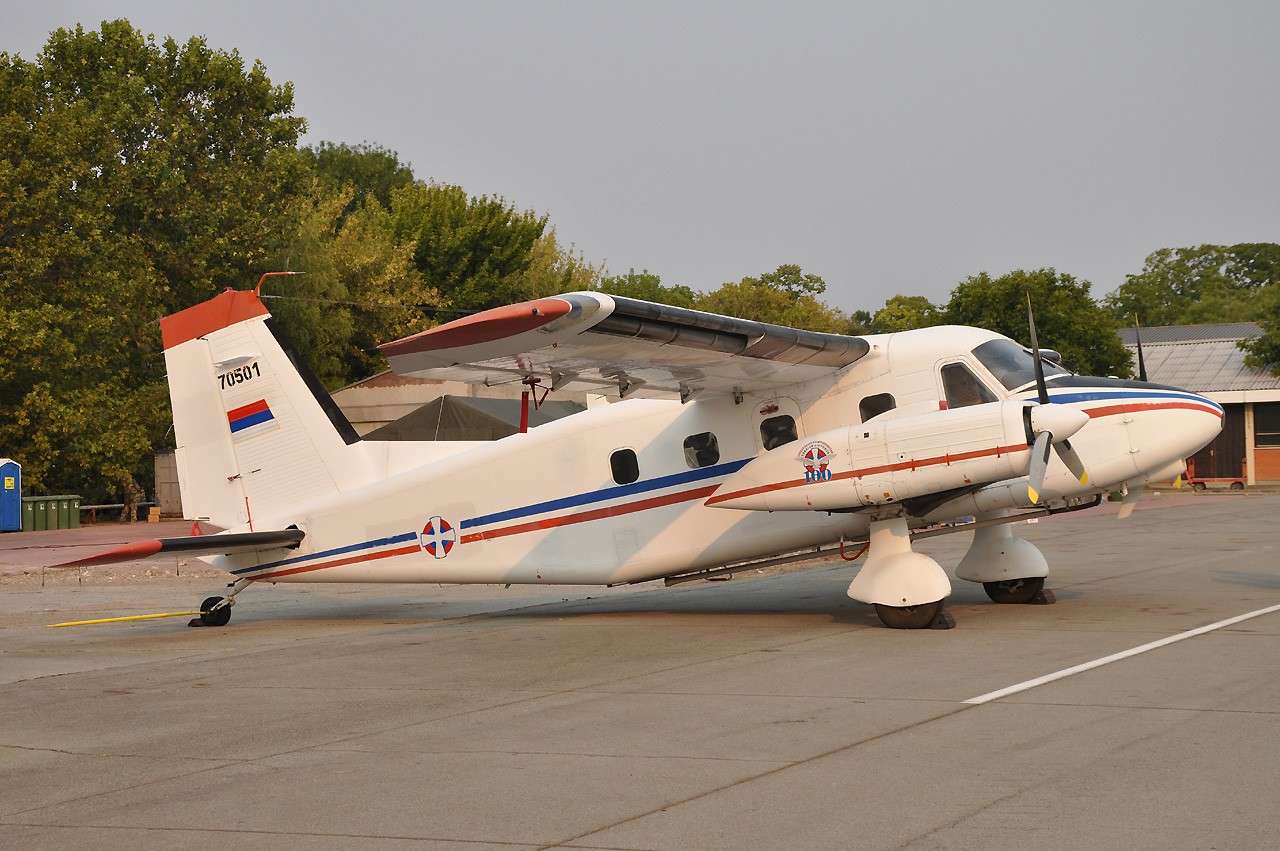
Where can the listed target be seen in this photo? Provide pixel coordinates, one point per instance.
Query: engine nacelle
(879, 463)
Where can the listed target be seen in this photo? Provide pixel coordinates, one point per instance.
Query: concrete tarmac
(764, 712)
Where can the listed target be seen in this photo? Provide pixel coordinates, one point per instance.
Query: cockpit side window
(963, 388)
(1011, 364)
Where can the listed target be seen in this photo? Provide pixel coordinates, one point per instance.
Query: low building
(379, 400)
(1207, 359)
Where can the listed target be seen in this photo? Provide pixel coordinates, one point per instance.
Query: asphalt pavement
(769, 711)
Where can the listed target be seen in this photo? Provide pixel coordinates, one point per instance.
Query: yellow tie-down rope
(124, 618)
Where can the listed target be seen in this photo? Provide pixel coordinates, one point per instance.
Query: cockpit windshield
(1013, 365)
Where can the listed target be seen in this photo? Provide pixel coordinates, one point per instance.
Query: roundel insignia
(438, 537)
(816, 458)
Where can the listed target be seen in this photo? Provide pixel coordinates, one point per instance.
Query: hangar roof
(1200, 358)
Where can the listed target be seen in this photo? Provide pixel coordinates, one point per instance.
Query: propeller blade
(1039, 465)
(1071, 458)
(1142, 365)
(1041, 389)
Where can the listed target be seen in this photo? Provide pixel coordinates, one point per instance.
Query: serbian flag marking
(247, 416)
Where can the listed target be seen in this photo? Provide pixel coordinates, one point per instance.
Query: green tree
(649, 287)
(359, 288)
(372, 171)
(1264, 352)
(554, 269)
(860, 322)
(136, 178)
(472, 249)
(906, 312)
(785, 296)
(1067, 317)
(1203, 283)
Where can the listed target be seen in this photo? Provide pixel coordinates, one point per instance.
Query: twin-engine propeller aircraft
(733, 441)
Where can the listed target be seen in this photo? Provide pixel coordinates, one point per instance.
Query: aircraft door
(869, 454)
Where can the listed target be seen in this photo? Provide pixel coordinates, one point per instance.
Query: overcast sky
(894, 147)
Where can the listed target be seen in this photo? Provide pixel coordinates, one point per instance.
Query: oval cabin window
(625, 466)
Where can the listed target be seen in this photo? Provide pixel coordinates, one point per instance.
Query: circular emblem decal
(438, 537)
(816, 458)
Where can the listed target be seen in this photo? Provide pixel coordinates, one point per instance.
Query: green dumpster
(28, 514)
(42, 514)
(64, 511)
(75, 513)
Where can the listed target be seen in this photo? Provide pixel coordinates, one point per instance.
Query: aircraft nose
(1200, 424)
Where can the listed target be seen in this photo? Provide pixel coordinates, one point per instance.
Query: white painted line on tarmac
(1116, 657)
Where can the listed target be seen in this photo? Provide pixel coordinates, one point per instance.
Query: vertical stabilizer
(257, 435)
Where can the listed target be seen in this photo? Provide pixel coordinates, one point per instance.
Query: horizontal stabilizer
(196, 545)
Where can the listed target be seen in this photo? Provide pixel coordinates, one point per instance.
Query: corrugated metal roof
(1202, 366)
(1192, 333)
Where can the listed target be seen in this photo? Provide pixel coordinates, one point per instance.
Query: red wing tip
(128, 552)
(483, 327)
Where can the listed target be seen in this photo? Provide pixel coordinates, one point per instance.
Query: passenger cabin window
(963, 387)
(701, 450)
(777, 431)
(874, 406)
(625, 466)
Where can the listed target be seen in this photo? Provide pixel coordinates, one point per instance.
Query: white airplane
(734, 441)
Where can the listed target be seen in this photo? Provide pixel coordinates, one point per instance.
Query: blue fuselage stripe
(349, 548)
(608, 493)
(1100, 395)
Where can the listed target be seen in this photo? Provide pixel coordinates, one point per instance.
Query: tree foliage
(1204, 283)
(1067, 317)
(472, 249)
(136, 178)
(370, 171)
(649, 287)
(905, 313)
(785, 296)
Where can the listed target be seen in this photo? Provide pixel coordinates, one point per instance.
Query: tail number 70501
(239, 375)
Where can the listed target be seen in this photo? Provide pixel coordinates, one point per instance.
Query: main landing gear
(1010, 568)
(907, 588)
(216, 611)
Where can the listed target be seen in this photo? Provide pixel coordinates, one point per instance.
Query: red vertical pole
(524, 411)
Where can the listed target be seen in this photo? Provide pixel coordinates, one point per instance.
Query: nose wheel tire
(1014, 590)
(214, 617)
(923, 616)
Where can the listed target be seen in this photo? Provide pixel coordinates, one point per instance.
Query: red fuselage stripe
(913, 464)
(398, 551)
(1110, 410)
(594, 514)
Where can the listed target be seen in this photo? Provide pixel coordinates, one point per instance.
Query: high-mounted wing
(621, 347)
(196, 545)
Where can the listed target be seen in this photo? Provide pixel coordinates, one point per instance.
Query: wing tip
(483, 327)
(133, 551)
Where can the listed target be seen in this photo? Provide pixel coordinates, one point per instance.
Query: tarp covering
(469, 418)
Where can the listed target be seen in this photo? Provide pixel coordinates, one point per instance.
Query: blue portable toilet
(10, 495)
